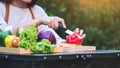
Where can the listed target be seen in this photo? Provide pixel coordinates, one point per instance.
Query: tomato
(15, 42)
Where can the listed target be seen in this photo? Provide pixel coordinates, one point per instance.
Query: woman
(23, 13)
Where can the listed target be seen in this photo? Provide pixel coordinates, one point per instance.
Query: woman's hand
(80, 33)
(76, 38)
(53, 22)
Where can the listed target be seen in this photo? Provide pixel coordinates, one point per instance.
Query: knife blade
(65, 29)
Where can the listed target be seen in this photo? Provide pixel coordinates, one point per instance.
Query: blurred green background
(100, 19)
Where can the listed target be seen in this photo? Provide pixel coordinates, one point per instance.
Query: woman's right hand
(53, 21)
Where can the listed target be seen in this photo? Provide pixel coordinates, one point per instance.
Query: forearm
(25, 25)
(36, 22)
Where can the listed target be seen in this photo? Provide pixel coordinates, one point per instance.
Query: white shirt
(22, 15)
(18, 15)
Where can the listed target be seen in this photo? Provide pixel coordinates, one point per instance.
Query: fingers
(77, 30)
(62, 22)
(80, 33)
(53, 24)
(83, 36)
(55, 21)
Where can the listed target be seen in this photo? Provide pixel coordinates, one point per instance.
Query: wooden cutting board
(62, 48)
(15, 50)
(23, 51)
(76, 48)
(80, 48)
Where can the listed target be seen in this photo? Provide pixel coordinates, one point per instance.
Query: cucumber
(3, 35)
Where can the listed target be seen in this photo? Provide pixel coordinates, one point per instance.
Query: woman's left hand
(77, 37)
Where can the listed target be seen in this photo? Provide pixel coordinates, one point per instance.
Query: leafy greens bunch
(28, 37)
(44, 46)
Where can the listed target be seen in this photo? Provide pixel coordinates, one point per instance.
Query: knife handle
(60, 26)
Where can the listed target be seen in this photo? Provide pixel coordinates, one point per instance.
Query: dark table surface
(83, 59)
(64, 55)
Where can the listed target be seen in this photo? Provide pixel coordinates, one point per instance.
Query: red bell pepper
(74, 39)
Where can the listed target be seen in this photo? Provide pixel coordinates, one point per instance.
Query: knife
(65, 29)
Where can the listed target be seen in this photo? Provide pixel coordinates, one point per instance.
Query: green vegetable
(3, 35)
(44, 46)
(28, 37)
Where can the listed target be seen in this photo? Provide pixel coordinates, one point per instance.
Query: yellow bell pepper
(8, 40)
